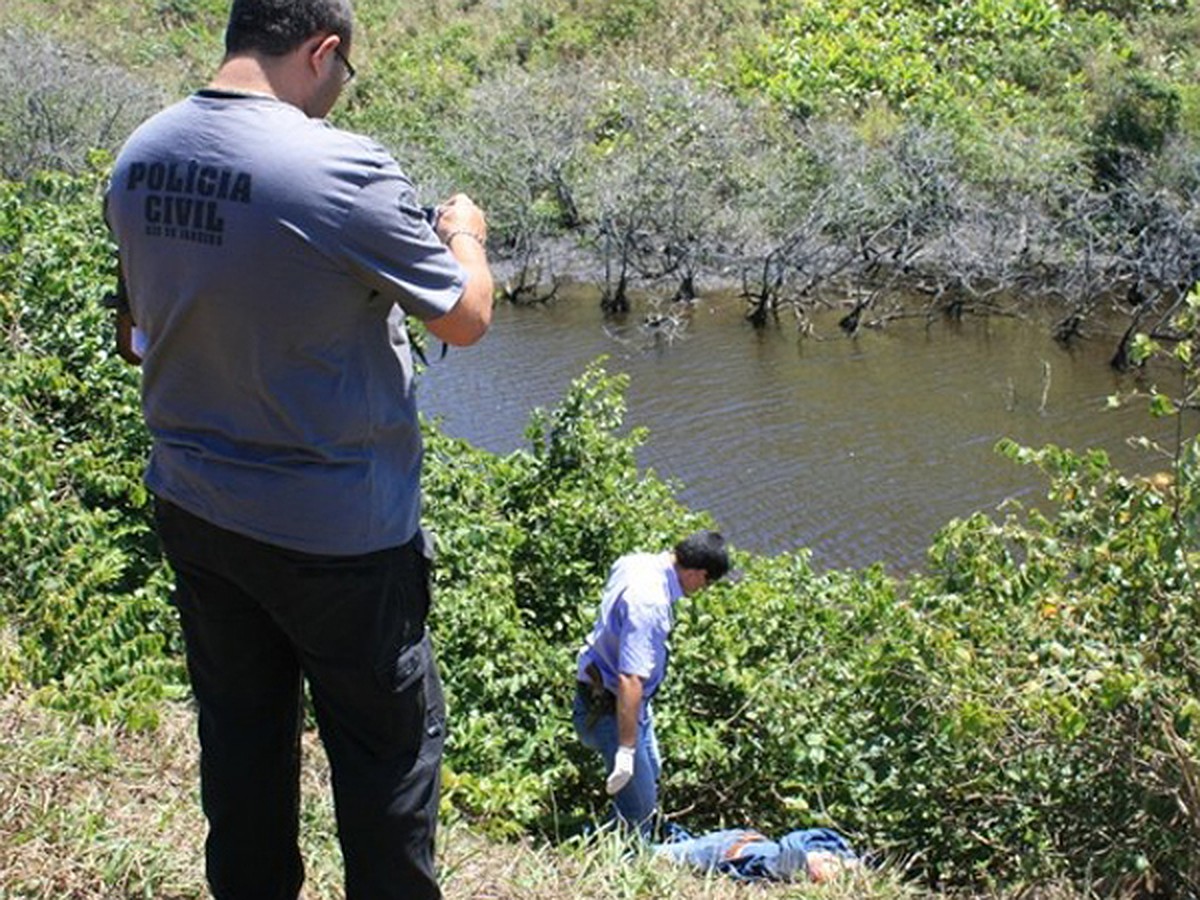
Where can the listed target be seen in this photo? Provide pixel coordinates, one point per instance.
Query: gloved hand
(622, 770)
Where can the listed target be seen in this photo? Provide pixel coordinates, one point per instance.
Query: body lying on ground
(813, 854)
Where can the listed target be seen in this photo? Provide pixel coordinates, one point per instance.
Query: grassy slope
(178, 42)
(97, 812)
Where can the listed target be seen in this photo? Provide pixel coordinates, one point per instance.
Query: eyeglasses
(350, 71)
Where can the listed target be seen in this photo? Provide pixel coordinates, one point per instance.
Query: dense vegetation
(1025, 711)
(954, 157)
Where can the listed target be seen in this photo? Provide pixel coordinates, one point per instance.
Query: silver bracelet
(472, 235)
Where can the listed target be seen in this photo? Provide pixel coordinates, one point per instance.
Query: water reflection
(858, 449)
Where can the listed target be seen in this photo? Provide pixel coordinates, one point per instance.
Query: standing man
(625, 660)
(270, 262)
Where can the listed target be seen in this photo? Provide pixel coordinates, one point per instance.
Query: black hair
(703, 550)
(277, 27)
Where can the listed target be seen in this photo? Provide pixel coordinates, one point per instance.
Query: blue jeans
(637, 802)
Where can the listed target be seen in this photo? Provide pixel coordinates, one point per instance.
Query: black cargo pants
(257, 621)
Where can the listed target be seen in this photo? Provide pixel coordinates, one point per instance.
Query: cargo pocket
(402, 728)
(435, 712)
(410, 666)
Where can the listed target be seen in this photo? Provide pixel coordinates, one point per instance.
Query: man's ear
(320, 49)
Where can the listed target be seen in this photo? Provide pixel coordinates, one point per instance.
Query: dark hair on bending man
(704, 550)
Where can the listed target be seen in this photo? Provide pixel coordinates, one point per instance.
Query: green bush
(1136, 116)
(1018, 67)
(81, 583)
(524, 545)
(1026, 712)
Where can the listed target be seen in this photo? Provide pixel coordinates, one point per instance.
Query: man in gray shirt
(270, 262)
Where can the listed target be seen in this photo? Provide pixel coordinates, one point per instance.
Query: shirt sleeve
(389, 245)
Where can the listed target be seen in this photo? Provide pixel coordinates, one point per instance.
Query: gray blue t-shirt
(271, 260)
(631, 630)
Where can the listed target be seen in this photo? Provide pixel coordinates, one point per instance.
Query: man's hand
(621, 772)
(460, 215)
(131, 342)
(463, 229)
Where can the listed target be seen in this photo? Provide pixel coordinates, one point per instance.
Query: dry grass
(95, 812)
(604, 869)
(99, 812)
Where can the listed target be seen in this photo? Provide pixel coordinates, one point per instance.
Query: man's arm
(125, 347)
(463, 229)
(629, 707)
(124, 325)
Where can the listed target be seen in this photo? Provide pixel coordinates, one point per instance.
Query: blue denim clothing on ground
(747, 855)
(637, 802)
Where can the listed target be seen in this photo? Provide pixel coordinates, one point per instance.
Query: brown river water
(858, 449)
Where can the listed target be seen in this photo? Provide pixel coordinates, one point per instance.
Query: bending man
(625, 660)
